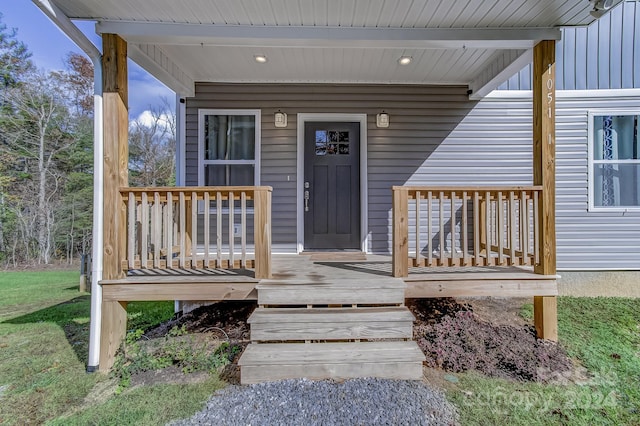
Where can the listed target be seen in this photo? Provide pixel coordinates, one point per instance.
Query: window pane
(229, 137)
(615, 137)
(229, 175)
(616, 185)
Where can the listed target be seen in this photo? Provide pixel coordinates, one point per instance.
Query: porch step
(400, 360)
(389, 322)
(380, 291)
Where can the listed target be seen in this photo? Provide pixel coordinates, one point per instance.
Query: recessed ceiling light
(261, 59)
(405, 60)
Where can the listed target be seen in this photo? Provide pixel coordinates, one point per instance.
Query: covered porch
(215, 242)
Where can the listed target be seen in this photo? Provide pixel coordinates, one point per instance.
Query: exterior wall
(435, 137)
(604, 55)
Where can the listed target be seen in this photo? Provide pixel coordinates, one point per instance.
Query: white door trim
(356, 118)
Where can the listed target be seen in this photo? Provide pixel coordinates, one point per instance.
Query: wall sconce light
(280, 119)
(382, 119)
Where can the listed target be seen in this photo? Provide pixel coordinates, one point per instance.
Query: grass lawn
(602, 335)
(44, 324)
(44, 333)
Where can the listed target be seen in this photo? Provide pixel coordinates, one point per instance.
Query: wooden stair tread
(329, 315)
(377, 283)
(265, 354)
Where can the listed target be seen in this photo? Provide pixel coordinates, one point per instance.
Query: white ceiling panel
(429, 66)
(336, 41)
(334, 13)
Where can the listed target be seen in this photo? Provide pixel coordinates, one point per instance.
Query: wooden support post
(262, 232)
(116, 162)
(114, 327)
(544, 117)
(400, 223)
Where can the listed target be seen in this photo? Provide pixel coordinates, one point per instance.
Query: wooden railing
(465, 226)
(198, 227)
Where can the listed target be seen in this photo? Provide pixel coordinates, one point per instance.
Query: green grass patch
(601, 334)
(44, 334)
(148, 405)
(145, 315)
(23, 292)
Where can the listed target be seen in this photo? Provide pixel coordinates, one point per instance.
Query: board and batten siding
(604, 55)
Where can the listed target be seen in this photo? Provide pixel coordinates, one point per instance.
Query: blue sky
(49, 46)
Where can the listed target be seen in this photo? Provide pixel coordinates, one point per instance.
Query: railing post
(400, 219)
(262, 232)
(545, 308)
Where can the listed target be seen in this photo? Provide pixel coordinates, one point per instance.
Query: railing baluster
(500, 226)
(418, 260)
(429, 242)
(219, 229)
(144, 223)
(487, 229)
(131, 231)
(536, 229)
(512, 229)
(463, 229)
(476, 228)
(157, 233)
(243, 228)
(441, 220)
(169, 229)
(194, 229)
(183, 230)
(207, 206)
(452, 214)
(524, 229)
(232, 236)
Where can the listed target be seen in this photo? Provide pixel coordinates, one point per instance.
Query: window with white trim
(228, 147)
(614, 154)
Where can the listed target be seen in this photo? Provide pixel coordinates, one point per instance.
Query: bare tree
(37, 130)
(152, 147)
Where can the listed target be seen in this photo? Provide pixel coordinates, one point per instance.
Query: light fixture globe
(405, 60)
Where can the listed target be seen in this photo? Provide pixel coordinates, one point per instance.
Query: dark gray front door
(332, 185)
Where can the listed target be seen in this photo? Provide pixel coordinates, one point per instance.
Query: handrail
(197, 227)
(465, 226)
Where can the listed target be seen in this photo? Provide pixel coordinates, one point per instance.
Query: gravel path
(304, 402)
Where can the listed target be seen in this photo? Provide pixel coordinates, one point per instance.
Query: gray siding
(432, 130)
(604, 55)
(437, 136)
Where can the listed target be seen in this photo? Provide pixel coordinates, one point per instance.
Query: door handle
(306, 201)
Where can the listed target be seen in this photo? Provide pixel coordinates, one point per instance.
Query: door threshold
(326, 251)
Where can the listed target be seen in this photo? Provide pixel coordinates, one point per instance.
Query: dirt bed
(456, 339)
(485, 334)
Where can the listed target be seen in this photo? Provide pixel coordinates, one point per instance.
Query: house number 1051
(549, 98)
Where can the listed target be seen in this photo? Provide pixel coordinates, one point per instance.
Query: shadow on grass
(71, 316)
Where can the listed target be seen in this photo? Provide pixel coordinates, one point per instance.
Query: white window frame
(591, 161)
(256, 160)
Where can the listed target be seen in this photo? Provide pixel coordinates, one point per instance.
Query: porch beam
(506, 64)
(544, 138)
(157, 63)
(345, 37)
(116, 158)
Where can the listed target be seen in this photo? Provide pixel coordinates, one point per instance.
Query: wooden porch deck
(326, 315)
(322, 268)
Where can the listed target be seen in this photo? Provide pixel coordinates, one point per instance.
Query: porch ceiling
(469, 42)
